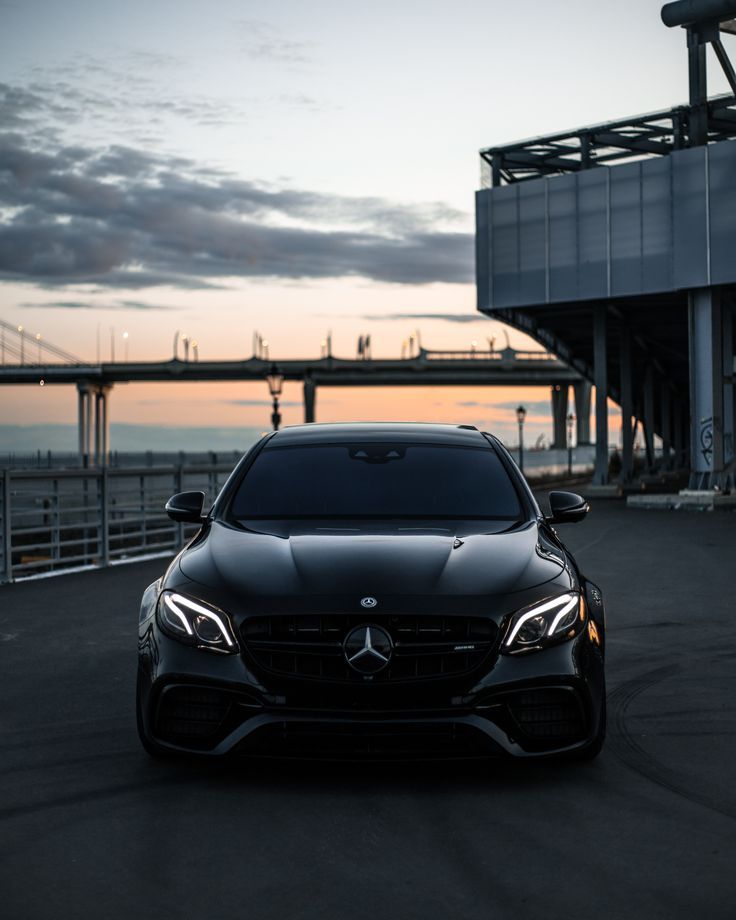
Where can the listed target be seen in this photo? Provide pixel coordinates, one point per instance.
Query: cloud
(262, 40)
(445, 317)
(534, 407)
(92, 305)
(120, 217)
(257, 402)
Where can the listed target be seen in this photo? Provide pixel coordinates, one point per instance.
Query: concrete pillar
(710, 352)
(678, 437)
(559, 415)
(84, 421)
(310, 399)
(649, 415)
(583, 391)
(729, 371)
(98, 427)
(627, 408)
(666, 425)
(600, 372)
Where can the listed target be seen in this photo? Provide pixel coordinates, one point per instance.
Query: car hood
(294, 559)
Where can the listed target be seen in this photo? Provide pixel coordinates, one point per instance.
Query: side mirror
(186, 507)
(567, 508)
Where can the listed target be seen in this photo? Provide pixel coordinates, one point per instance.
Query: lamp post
(275, 382)
(520, 416)
(570, 424)
(125, 339)
(22, 344)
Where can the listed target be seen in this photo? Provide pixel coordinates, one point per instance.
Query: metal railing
(59, 520)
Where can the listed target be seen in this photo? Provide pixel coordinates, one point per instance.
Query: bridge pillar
(666, 425)
(582, 391)
(711, 390)
(649, 415)
(627, 408)
(102, 425)
(84, 421)
(559, 416)
(600, 373)
(310, 399)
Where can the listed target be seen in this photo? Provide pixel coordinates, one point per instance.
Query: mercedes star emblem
(368, 602)
(367, 649)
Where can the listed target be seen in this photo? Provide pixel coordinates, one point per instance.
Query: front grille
(552, 714)
(191, 713)
(425, 647)
(400, 741)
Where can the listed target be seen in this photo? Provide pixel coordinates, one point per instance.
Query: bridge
(477, 368)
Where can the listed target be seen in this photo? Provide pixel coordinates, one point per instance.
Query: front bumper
(546, 703)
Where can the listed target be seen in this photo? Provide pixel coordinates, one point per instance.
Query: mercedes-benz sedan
(385, 590)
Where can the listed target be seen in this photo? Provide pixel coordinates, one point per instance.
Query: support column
(627, 408)
(102, 425)
(678, 437)
(649, 416)
(559, 416)
(98, 427)
(666, 425)
(729, 371)
(707, 372)
(600, 369)
(310, 399)
(84, 418)
(583, 391)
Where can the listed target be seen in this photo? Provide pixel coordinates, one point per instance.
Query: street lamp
(570, 424)
(38, 339)
(520, 416)
(125, 339)
(22, 344)
(275, 382)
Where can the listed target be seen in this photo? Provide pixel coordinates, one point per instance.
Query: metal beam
(627, 406)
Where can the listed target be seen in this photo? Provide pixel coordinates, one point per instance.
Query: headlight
(544, 624)
(195, 623)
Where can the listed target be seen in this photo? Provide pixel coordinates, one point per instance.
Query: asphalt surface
(91, 827)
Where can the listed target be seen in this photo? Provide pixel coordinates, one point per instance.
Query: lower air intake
(549, 715)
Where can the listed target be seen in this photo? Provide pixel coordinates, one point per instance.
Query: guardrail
(77, 519)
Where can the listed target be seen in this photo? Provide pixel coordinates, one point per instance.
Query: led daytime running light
(174, 600)
(568, 600)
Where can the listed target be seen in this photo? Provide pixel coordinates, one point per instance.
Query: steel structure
(507, 367)
(613, 246)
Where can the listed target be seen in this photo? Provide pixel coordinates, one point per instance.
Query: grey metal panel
(656, 222)
(563, 238)
(689, 224)
(593, 232)
(722, 173)
(505, 242)
(661, 223)
(532, 241)
(626, 233)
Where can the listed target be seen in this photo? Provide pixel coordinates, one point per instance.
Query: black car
(387, 590)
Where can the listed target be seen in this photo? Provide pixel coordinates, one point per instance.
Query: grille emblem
(368, 602)
(367, 649)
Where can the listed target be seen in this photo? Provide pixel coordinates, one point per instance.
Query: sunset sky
(291, 167)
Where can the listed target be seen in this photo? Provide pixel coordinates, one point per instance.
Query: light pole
(570, 424)
(520, 416)
(38, 339)
(275, 382)
(22, 344)
(125, 339)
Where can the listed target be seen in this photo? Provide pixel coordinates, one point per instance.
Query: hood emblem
(368, 602)
(367, 649)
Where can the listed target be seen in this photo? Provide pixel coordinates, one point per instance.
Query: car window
(371, 479)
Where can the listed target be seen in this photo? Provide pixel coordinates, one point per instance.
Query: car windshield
(377, 480)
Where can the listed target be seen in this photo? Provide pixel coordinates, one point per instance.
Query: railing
(78, 519)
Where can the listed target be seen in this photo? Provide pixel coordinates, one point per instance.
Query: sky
(286, 166)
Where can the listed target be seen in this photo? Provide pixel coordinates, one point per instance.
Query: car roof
(331, 432)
